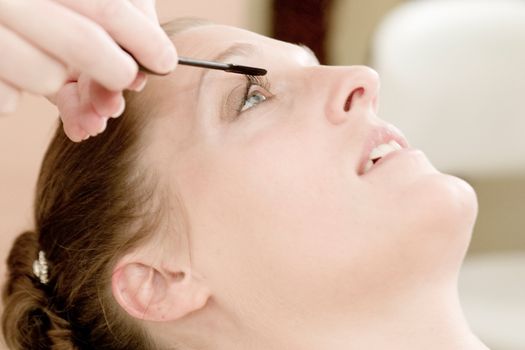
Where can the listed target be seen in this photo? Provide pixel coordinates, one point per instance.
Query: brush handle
(227, 67)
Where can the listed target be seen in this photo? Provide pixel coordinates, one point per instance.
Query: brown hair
(94, 201)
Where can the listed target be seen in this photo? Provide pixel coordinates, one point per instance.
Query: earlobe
(150, 294)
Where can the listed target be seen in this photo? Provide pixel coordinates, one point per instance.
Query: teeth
(381, 151)
(368, 165)
(396, 145)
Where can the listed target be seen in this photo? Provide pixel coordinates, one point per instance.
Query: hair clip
(40, 268)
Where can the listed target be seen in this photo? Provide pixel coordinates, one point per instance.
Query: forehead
(207, 42)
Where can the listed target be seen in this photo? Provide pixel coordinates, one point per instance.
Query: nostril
(348, 103)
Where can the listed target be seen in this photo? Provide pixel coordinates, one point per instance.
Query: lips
(379, 136)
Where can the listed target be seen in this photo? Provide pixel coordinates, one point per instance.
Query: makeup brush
(227, 67)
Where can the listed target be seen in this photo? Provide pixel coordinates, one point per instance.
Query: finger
(104, 102)
(28, 68)
(68, 103)
(84, 45)
(9, 97)
(139, 83)
(88, 117)
(133, 30)
(79, 119)
(147, 7)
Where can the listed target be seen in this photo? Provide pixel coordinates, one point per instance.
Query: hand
(72, 55)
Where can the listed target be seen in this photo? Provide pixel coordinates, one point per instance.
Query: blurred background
(452, 79)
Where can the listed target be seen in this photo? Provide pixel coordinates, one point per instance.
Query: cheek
(292, 181)
(279, 213)
(274, 184)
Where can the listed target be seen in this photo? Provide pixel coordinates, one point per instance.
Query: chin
(432, 202)
(446, 208)
(441, 202)
(451, 203)
(431, 220)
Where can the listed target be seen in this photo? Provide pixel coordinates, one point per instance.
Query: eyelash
(256, 81)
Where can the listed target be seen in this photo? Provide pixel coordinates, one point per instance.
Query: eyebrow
(246, 49)
(238, 49)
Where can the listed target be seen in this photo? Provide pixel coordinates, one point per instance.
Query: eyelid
(264, 90)
(254, 82)
(261, 81)
(233, 101)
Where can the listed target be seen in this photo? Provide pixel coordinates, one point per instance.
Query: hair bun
(27, 321)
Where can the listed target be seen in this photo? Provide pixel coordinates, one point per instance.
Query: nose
(352, 91)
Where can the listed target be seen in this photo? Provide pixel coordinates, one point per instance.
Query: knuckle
(83, 56)
(87, 58)
(107, 10)
(148, 8)
(144, 4)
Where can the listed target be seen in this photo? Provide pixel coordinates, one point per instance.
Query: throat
(430, 322)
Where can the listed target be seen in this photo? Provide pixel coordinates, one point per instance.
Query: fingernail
(103, 125)
(168, 60)
(142, 85)
(139, 83)
(120, 109)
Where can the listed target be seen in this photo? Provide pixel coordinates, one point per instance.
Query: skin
(290, 247)
(86, 82)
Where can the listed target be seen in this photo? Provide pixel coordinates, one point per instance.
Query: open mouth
(380, 143)
(379, 152)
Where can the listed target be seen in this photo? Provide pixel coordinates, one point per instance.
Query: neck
(411, 323)
(425, 320)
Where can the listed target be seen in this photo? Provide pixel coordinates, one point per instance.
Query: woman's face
(284, 222)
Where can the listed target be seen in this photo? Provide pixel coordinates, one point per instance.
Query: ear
(157, 294)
